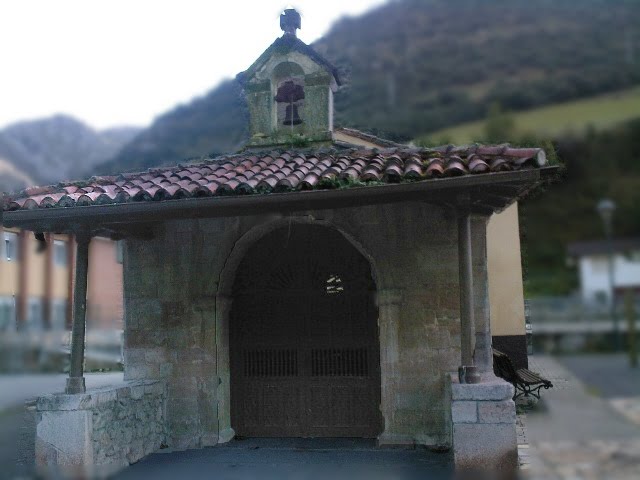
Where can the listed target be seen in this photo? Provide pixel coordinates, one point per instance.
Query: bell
(291, 116)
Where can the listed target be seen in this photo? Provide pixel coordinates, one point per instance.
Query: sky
(123, 62)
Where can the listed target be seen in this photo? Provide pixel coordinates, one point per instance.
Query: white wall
(594, 274)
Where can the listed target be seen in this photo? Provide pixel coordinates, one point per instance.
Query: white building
(593, 268)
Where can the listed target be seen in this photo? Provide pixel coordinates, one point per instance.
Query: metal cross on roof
(290, 21)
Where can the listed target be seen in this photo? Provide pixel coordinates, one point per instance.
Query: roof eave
(442, 191)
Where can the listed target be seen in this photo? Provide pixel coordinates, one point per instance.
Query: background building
(593, 268)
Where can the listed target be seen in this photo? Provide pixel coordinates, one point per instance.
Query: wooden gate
(304, 339)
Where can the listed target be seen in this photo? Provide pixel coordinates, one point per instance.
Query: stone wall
(178, 297)
(484, 425)
(101, 431)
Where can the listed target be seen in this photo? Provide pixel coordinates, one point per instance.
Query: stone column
(467, 321)
(223, 309)
(483, 356)
(75, 382)
(389, 302)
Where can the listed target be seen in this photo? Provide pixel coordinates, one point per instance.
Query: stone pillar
(483, 356)
(484, 426)
(75, 382)
(467, 321)
(223, 310)
(389, 302)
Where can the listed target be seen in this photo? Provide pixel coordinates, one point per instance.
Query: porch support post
(75, 382)
(388, 302)
(467, 307)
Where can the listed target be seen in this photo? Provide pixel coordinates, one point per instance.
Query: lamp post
(606, 207)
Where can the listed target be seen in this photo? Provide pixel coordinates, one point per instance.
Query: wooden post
(71, 265)
(75, 382)
(22, 298)
(48, 281)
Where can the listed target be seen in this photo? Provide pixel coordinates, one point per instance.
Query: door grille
(339, 362)
(270, 363)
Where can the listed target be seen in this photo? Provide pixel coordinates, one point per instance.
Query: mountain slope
(600, 112)
(414, 66)
(56, 148)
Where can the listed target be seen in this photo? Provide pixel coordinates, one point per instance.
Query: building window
(60, 253)
(35, 316)
(59, 315)
(7, 313)
(10, 253)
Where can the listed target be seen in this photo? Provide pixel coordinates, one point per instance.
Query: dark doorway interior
(305, 357)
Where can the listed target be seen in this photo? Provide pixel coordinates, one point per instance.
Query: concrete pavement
(16, 389)
(295, 458)
(574, 434)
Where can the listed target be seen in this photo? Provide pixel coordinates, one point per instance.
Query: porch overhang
(488, 194)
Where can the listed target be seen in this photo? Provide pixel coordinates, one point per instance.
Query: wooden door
(304, 340)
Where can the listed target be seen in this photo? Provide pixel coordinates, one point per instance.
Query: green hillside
(597, 165)
(599, 112)
(414, 66)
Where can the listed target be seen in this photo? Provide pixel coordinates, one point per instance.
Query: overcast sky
(123, 62)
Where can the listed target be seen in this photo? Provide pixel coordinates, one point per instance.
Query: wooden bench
(525, 381)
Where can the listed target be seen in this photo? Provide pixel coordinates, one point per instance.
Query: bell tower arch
(289, 89)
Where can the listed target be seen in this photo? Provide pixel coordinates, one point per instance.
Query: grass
(599, 112)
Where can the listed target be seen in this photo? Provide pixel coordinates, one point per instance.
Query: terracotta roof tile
(251, 173)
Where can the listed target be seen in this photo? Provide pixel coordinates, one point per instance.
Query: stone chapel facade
(319, 283)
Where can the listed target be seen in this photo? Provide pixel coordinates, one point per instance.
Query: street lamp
(606, 207)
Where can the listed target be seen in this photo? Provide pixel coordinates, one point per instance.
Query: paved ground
(608, 376)
(282, 459)
(16, 389)
(574, 434)
(18, 424)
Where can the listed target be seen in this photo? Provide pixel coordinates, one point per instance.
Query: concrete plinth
(483, 416)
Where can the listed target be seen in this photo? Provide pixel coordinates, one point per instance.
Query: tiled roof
(601, 247)
(251, 173)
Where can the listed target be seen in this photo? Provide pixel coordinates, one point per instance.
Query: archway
(304, 345)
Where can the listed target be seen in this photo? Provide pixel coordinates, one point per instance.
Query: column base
(75, 385)
(483, 418)
(226, 435)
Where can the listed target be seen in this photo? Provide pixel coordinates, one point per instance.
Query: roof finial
(290, 21)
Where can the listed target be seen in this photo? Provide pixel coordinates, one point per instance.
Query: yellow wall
(8, 271)
(504, 266)
(8, 278)
(104, 287)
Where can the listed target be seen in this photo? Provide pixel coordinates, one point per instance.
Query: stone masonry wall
(177, 294)
(101, 431)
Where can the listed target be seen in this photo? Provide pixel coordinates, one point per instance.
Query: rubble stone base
(97, 433)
